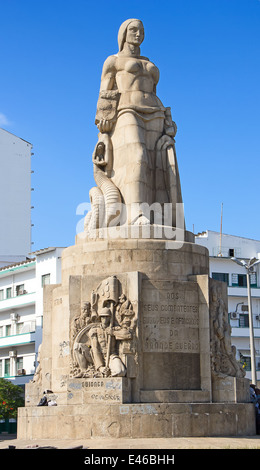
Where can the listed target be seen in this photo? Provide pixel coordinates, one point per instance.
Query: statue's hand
(105, 126)
(170, 129)
(110, 331)
(104, 370)
(93, 333)
(99, 162)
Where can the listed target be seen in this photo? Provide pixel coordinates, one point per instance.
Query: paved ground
(250, 442)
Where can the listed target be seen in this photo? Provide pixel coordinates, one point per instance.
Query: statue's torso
(136, 79)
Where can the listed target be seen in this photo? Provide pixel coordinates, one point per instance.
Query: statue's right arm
(108, 95)
(108, 74)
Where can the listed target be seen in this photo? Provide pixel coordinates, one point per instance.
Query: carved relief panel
(103, 334)
(223, 353)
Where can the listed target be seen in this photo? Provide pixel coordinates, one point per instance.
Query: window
(2, 294)
(19, 290)
(19, 364)
(243, 320)
(253, 282)
(1, 368)
(26, 327)
(242, 280)
(239, 280)
(220, 277)
(9, 292)
(19, 328)
(1, 331)
(8, 330)
(247, 363)
(7, 368)
(46, 278)
(231, 252)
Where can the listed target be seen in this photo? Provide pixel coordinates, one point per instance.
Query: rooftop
(17, 265)
(16, 136)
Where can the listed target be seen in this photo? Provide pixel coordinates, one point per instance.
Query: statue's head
(131, 31)
(105, 316)
(105, 312)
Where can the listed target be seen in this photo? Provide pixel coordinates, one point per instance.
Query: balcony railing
(16, 339)
(17, 301)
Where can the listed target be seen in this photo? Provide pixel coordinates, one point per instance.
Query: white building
(21, 312)
(221, 249)
(15, 198)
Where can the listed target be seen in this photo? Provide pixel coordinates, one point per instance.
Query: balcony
(17, 301)
(20, 379)
(243, 332)
(18, 339)
(236, 291)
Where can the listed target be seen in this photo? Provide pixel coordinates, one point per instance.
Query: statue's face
(126, 322)
(135, 33)
(105, 321)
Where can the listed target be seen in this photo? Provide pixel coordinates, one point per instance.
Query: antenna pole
(220, 235)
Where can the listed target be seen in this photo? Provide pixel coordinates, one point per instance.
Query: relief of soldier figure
(223, 354)
(103, 333)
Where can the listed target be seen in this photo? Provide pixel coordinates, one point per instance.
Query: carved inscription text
(170, 322)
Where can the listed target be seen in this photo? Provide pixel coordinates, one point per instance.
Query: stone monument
(136, 340)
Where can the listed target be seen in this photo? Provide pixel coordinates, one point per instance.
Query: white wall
(47, 262)
(243, 247)
(15, 197)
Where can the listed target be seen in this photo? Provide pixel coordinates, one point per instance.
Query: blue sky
(208, 53)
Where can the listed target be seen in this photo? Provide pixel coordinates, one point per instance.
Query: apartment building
(15, 198)
(21, 312)
(222, 248)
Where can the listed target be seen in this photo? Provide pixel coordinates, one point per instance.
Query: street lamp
(249, 268)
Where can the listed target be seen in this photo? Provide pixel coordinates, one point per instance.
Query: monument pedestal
(169, 371)
(137, 420)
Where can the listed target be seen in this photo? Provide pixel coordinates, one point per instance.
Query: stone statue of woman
(139, 131)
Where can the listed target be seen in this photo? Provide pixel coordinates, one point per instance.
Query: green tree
(10, 399)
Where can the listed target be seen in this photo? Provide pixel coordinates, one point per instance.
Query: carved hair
(122, 32)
